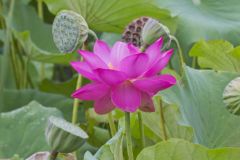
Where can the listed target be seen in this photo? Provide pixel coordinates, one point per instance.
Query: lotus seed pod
(132, 33)
(63, 136)
(231, 96)
(69, 31)
(153, 30)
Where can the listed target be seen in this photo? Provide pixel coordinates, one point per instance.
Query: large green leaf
(64, 91)
(40, 54)
(34, 35)
(13, 99)
(112, 150)
(97, 136)
(172, 122)
(110, 38)
(205, 19)
(217, 54)
(199, 97)
(111, 15)
(22, 130)
(176, 149)
(59, 88)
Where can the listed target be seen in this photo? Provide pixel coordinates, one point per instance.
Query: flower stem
(14, 67)
(25, 85)
(40, 8)
(141, 129)
(194, 62)
(111, 124)
(7, 49)
(128, 136)
(180, 54)
(162, 120)
(53, 155)
(42, 71)
(76, 101)
(40, 15)
(10, 13)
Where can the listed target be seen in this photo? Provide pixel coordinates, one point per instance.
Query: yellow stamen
(110, 66)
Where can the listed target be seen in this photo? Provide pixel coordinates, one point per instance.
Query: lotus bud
(132, 33)
(63, 136)
(153, 30)
(231, 96)
(69, 31)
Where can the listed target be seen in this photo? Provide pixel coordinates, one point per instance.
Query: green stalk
(162, 120)
(15, 65)
(6, 50)
(128, 136)
(76, 101)
(20, 63)
(194, 62)
(41, 16)
(141, 129)
(40, 8)
(30, 82)
(10, 13)
(180, 54)
(111, 124)
(25, 75)
(24, 64)
(42, 71)
(11, 49)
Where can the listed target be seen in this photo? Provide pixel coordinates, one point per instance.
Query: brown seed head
(132, 32)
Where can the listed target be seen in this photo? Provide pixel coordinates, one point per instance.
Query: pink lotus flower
(123, 77)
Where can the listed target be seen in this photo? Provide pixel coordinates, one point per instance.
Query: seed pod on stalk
(69, 31)
(152, 30)
(132, 32)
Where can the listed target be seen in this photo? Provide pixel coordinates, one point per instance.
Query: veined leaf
(22, 130)
(202, 19)
(111, 15)
(177, 149)
(13, 99)
(172, 122)
(34, 35)
(199, 97)
(217, 54)
(112, 150)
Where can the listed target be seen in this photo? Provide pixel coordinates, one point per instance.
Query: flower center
(110, 66)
